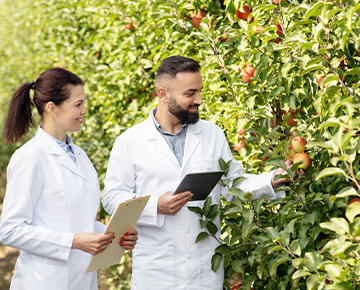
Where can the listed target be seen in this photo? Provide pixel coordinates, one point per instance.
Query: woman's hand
(128, 240)
(92, 243)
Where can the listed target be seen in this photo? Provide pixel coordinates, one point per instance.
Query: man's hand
(281, 171)
(170, 204)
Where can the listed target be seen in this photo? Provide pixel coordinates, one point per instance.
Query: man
(152, 158)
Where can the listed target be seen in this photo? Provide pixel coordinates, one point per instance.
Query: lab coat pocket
(56, 201)
(204, 165)
(44, 275)
(152, 267)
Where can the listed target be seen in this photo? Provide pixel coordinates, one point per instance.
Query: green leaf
(276, 162)
(212, 228)
(238, 180)
(277, 91)
(257, 204)
(223, 165)
(342, 286)
(207, 205)
(247, 231)
(214, 86)
(332, 90)
(321, 144)
(300, 273)
(237, 265)
(295, 248)
(214, 210)
(338, 225)
(352, 211)
(223, 249)
(201, 236)
(237, 192)
(273, 233)
(311, 68)
(330, 171)
(275, 264)
(347, 191)
(216, 261)
(334, 271)
(196, 210)
(314, 10)
(353, 71)
(312, 261)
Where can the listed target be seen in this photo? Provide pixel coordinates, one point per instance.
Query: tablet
(200, 183)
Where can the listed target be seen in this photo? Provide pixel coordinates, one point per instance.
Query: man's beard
(182, 115)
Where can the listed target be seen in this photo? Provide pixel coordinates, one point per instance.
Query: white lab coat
(49, 199)
(142, 163)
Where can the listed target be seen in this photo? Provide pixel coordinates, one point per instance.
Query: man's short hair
(173, 65)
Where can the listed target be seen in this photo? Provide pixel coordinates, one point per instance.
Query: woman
(52, 193)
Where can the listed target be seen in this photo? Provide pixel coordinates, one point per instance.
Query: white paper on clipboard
(124, 218)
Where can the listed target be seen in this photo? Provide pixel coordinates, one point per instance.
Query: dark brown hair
(51, 86)
(173, 65)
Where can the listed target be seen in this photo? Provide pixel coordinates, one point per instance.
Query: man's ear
(163, 94)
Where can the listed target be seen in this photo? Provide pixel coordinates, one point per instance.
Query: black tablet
(200, 183)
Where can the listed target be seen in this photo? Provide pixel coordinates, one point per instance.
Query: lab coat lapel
(156, 140)
(66, 161)
(51, 147)
(191, 142)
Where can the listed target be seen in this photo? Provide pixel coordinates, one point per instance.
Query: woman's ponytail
(19, 117)
(53, 85)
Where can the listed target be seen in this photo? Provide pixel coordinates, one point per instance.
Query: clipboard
(200, 183)
(124, 218)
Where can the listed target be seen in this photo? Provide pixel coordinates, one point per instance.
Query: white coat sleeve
(120, 185)
(258, 184)
(24, 186)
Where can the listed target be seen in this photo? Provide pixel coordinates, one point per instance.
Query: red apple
(342, 64)
(298, 144)
(238, 146)
(291, 121)
(280, 29)
(235, 286)
(356, 199)
(248, 73)
(302, 157)
(276, 1)
(258, 29)
(291, 154)
(241, 130)
(277, 40)
(223, 39)
(243, 15)
(196, 20)
(129, 26)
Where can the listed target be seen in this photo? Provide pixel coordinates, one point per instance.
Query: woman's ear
(50, 107)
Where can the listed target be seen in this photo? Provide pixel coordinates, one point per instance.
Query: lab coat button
(189, 282)
(88, 225)
(187, 230)
(87, 190)
(188, 256)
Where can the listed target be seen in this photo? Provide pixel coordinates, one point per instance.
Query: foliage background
(301, 242)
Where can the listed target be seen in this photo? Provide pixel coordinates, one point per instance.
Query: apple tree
(271, 70)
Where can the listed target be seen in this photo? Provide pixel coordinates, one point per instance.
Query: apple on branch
(302, 157)
(248, 73)
(243, 15)
(291, 154)
(298, 143)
